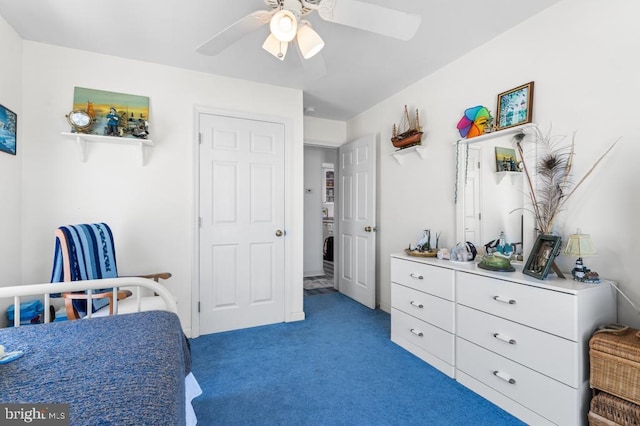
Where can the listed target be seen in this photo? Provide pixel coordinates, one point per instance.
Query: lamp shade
(580, 245)
(283, 26)
(275, 47)
(309, 41)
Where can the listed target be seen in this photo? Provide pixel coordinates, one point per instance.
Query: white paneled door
(242, 236)
(357, 221)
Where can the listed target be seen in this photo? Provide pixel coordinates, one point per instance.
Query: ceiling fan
(287, 24)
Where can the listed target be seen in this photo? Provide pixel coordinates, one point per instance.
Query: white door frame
(289, 291)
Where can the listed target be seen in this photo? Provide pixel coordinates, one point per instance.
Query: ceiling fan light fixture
(309, 41)
(284, 25)
(275, 47)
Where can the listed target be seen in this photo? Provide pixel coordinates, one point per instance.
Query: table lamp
(581, 245)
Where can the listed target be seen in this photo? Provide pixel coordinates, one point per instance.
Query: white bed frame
(136, 303)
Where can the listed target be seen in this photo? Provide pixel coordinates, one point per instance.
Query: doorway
(354, 221)
(319, 222)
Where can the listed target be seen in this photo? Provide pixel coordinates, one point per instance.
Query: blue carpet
(338, 367)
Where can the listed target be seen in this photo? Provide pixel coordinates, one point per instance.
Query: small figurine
(423, 247)
(112, 123)
(444, 253)
(500, 246)
(463, 252)
(425, 242)
(503, 247)
(591, 277)
(578, 271)
(583, 274)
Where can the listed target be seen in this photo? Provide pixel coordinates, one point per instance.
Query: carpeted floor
(337, 367)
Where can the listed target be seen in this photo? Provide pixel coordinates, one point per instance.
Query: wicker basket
(615, 364)
(609, 410)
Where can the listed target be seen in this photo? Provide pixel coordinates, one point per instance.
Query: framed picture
(542, 256)
(515, 106)
(8, 125)
(115, 114)
(506, 160)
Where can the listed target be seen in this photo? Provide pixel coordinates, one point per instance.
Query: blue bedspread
(124, 369)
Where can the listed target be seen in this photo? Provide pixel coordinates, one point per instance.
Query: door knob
(369, 229)
(279, 233)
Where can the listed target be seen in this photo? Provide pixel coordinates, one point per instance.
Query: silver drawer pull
(503, 300)
(417, 305)
(417, 332)
(418, 277)
(504, 339)
(504, 377)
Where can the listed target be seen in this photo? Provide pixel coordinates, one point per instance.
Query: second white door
(357, 220)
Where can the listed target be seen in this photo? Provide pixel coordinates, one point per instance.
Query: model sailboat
(411, 133)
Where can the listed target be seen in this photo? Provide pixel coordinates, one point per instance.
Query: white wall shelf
(82, 139)
(498, 133)
(501, 175)
(400, 154)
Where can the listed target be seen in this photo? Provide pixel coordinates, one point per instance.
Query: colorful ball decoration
(474, 121)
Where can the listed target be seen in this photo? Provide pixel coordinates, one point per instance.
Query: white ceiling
(362, 68)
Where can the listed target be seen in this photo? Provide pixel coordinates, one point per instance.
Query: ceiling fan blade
(314, 68)
(234, 32)
(370, 17)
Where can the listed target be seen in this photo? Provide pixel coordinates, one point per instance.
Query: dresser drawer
(434, 310)
(405, 328)
(548, 354)
(429, 279)
(550, 399)
(546, 310)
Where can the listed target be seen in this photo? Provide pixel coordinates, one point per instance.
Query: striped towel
(84, 252)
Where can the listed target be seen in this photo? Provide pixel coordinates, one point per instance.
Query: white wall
(320, 131)
(11, 166)
(582, 56)
(150, 208)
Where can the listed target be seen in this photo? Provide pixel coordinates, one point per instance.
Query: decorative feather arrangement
(554, 185)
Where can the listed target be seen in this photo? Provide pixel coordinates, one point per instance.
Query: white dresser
(520, 342)
(423, 312)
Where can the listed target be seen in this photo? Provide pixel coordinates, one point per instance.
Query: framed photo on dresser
(541, 258)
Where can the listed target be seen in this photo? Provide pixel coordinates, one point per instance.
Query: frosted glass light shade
(580, 245)
(309, 41)
(283, 26)
(275, 47)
